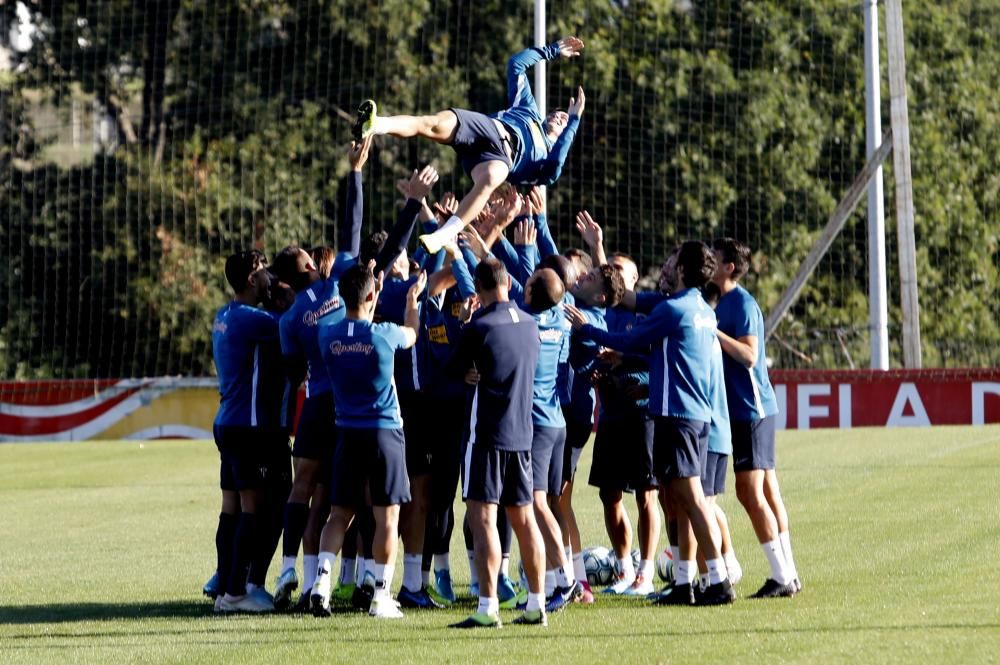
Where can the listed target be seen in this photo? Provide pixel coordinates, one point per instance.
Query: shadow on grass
(68, 612)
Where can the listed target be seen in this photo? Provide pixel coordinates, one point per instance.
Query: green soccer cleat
(479, 620)
(532, 618)
(364, 126)
(344, 592)
(287, 583)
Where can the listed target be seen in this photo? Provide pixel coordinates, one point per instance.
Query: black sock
(243, 549)
(467, 532)
(366, 527)
(224, 534)
(296, 516)
(506, 532)
(350, 548)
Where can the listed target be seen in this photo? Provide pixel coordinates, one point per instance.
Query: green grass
(104, 548)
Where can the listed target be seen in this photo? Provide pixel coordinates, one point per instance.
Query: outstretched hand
(570, 47)
(525, 233)
(589, 230)
(574, 316)
(537, 200)
(420, 182)
(357, 153)
(413, 294)
(577, 103)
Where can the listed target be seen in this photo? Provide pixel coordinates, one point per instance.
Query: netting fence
(140, 143)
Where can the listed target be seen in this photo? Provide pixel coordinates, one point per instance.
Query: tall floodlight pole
(878, 309)
(540, 79)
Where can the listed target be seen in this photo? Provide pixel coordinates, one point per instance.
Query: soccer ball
(665, 565)
(598, 563)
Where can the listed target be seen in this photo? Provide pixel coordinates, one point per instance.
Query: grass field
(104, 548)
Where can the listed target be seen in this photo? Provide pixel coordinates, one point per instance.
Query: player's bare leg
(532, 547)
(772, 493)
(750, 492)
(486, 177)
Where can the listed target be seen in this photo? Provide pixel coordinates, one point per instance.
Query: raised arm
(411, 319)
(661, 323)
(518, 88)
(349, 233)
(553, 166)
(527, 252)
(546, 244)
(593, 235)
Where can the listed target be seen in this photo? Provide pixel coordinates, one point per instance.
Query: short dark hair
(735, 252)
(286, 268)
(547, 290)
(613, 285)
(584, 257)
(490, 273)
(356, 284)
(698, 262)
(241, 265)
(371, 246)
(562, 267)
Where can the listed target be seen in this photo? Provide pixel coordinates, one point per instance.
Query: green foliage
(703, 119)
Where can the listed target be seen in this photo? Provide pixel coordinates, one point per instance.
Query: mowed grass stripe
(106, 545)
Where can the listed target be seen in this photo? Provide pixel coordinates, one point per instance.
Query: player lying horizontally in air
(515, 145)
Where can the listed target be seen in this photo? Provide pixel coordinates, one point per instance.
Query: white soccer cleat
(251, 602)
(641, 588)
(620, 586)
(385, 608)
(287, 583)
(734, 571)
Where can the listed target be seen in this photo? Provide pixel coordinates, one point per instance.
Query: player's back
(320, 303)
(244, 341)
(358, 355)
(553, 334)
(505, 359)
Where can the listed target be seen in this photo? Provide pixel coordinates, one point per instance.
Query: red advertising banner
(897, 398)
(185, 408)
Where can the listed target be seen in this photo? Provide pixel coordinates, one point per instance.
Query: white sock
(348, 571)
(383, 578)
(288, 562)
(568, 549)
(550, 582)
(786, 549)
(733, 568)
(675, 553)
(378, 127)
(775, 558)
(579, 569)
(684, 571)
(411, 571)
(368, 566)
(536, 601)
(473, 573)
(505, 565)
(449, 230)
(442, 562)
(716, 570)
(309, 563)
(564, 576)
(627, 568)
(489, 605)
(324, 564)
(646, 569)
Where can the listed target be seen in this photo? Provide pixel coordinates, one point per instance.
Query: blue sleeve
(516, 292)
(741, 320)
(646, 301)
(546, 245)
(399, 236)
(553, 165)
(518, 87)
(527, 260)
(349, 233)
(471, 260)
(392, 334)
(289, 341)
(503, 250)
(463, 278)
(661, 323)
(262, 326)
(431, 263)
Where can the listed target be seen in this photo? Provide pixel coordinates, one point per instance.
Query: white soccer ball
(665, 565)
(599, 566)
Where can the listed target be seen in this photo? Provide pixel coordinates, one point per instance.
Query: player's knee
(610, 497)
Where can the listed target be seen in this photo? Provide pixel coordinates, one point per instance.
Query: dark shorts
(477, 140)
(249, 455)
(623, 454)
(316, 435)
(753, 444)
(372, 458)
(680, 447)
(547, 459)
(419, 416)
(496, 476)
(577, 435)
(713, 476)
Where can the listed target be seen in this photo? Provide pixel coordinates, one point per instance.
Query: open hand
(570, 47)
(416, 288)
(357, 153)
(589, 230)
(420, 183)
(577, 103)
(525, 233)
(575, 316)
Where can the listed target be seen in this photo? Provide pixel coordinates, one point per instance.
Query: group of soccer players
(479, 362)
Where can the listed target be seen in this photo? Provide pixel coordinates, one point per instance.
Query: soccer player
(515, 145)
(499, 346)
(369, 464)
(247, 354)
(681, 331)
(752, 408)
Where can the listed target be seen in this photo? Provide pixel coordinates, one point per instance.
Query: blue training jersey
(720, 435)
(248, 361)
(391, 308)
(748, 390)
(680, 332)
(631, 374)
(583, 359)
(539, 161)
(553, 335)
(359, 355)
